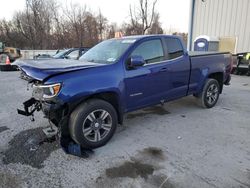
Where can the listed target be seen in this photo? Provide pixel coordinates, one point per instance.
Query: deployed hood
(41, 69)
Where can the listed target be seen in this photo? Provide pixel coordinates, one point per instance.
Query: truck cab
(164, 58)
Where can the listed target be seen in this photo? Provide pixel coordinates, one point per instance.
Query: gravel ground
(178, 145)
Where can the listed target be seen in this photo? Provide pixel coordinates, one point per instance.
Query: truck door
(145, 85)
(165, 76)
(177, 69)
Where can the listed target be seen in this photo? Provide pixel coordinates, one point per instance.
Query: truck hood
(42, 69)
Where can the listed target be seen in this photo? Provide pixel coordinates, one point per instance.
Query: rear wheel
(93, 123)
(210, 94)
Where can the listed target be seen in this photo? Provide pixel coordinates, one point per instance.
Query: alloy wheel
(97, 125)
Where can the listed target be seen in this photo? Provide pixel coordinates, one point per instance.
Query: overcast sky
(173, 13)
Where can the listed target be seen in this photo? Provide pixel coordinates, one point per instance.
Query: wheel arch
(109, 96)
(219, 76)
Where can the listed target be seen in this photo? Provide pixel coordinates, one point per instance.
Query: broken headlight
(43, 92)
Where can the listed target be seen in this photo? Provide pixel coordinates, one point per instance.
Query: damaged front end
(30, 106)
(44, 98)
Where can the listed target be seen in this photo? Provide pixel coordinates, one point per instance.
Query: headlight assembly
(43, 92)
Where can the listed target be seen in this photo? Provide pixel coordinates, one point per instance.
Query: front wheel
(210, 94)
(93, 123)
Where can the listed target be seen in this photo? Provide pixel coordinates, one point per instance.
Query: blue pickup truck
(87, 98)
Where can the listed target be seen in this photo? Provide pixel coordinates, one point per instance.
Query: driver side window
(151, 51)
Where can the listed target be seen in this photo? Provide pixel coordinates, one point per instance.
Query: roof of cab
(138, 37)
(146, 36)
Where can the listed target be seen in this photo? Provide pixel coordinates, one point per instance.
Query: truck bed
(203, 62)
(198, 53)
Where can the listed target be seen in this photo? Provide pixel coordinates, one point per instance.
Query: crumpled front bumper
(58, 115)
(30, 106)
(52, 111)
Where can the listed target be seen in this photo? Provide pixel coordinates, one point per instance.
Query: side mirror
(136, 61)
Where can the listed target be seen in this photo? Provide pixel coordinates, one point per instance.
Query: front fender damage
(59, 116)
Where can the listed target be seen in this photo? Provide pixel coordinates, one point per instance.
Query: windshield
(108, 51)
(59, 54)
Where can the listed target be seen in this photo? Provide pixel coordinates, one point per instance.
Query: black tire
(81, 120)
(210, 94)
(8, 68)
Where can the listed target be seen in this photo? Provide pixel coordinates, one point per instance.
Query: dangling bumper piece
(30, 106)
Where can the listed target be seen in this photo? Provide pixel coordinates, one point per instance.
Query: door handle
(163, 69)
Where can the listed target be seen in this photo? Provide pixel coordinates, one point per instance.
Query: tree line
(45, 24)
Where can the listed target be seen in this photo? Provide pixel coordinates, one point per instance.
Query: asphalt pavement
(177, 145)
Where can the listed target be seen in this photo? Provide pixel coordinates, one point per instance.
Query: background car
(72, 53)
(42, 56)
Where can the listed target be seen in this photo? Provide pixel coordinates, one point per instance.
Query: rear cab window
(151, 51)
(174, 48)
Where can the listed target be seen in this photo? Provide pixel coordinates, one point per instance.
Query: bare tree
(156, 26)
(102, 25)
(92, 34)
(35, 23)
(76, 15)
(111, 29)
(44, 24)
(142, 16)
